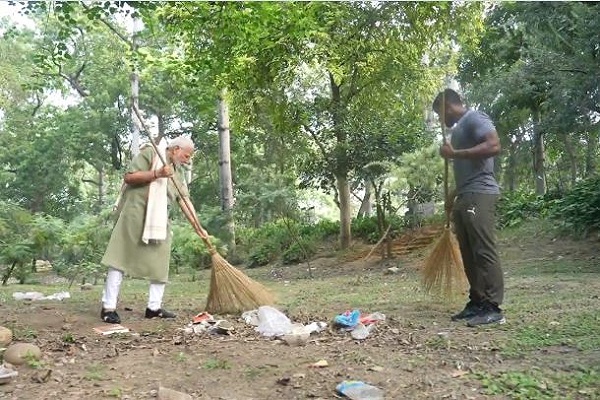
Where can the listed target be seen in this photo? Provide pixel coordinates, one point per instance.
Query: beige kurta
(126, 251)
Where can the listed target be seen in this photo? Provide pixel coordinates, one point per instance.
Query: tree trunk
(510, 175)
(135, 95)
(539, 154)
(366, 207)
(591, 153)
(8, 273)
(341, 167)
(572, 159)
(101, 188)
(227, 199)
(343, 189)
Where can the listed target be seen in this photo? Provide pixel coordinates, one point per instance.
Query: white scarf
(155, 223)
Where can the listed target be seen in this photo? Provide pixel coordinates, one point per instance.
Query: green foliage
(17, 248)
(419, 175)
(516, 207)
(579, 210)
(266, 243)
(572, 330)
(188, 251)
(299, 251)
(214, 363)
(322, 229)
(367, 228)
(536, 385)
(82, 247)
(293, 241)
(532, 73)
(289, 239)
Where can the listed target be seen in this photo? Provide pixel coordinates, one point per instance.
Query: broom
(443, 271)
(231, 291)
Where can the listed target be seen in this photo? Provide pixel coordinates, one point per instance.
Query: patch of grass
(94, 372)
(560, 267)
(180, 357)
(574, 330)
(68, 338)
(438, 343)
(357, 357)
(32, 361)
(115, 392)
(253, 373)
(24, 333)
(535, 384)
(213, 363)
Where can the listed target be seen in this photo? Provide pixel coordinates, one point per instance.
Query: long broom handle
(192, 217)
(446, 166)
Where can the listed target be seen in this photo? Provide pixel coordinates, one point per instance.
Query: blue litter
(348, 319)
(357, 390)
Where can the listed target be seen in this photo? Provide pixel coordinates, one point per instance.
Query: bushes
(366, 228)
(516, 207)
(292, 241)
(578, 212)
(188, 252)
(284, 238)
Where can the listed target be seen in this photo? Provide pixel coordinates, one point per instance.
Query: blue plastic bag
(357, 390)
(349, 319)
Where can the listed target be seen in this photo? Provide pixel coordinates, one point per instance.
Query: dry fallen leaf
(320, 364)
(458, 373)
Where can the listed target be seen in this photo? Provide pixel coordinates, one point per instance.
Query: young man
(473, 145)
(140, 243)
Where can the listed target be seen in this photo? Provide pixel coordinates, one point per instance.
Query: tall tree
(364, 56)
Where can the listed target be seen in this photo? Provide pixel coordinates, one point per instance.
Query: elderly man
(140, 243)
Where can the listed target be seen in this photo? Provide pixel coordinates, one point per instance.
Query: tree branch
(110, 26)
(39, 103)
(93, 182)
(319, 145)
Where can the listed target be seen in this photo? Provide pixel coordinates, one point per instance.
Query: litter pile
(205, 322)
(270, 322)
(359, 325)
(36, 296)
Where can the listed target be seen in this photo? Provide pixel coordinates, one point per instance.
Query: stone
(6, 336)
(20, 353)
(170, 394)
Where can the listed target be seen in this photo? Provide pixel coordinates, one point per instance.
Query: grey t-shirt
(472, 175)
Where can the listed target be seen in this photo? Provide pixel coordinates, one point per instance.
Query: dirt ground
(417, 353)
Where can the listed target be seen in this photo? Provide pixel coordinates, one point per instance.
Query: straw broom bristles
(231, 291)
(443, 271)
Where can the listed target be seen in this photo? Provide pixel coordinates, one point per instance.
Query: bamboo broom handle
(446, 166)
(188, 211)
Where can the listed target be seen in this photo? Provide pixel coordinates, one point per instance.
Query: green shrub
(287, 239)
(322, 229)
(579, 210)
(514, 208)
(188, 252)
(82, 245)
(299, 251)
(366, 228)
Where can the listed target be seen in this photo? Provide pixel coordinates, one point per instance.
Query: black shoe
(160, 313)
(471, 310)
(110, 317)
(490, 314)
